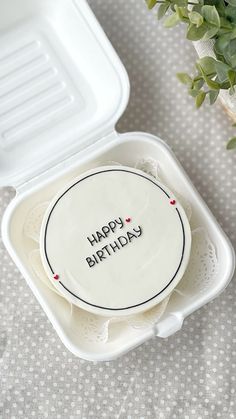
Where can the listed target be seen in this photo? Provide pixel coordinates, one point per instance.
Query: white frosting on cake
(115, 241)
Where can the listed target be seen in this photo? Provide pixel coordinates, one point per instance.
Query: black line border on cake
(95, 305)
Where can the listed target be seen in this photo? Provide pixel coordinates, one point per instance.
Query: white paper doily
(200, 272)
(203, 265)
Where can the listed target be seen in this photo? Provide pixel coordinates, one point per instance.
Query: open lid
(62, 86)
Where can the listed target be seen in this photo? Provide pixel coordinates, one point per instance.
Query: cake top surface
(115, 241)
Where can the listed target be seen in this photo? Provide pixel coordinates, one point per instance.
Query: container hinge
(69, 160)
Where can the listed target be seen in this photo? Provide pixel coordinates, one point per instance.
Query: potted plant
(211, 25)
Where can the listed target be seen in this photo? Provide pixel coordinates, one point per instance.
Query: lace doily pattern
(152, 168)
(202, 267)
(34, 220)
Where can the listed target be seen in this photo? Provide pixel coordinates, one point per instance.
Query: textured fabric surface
(191, 375)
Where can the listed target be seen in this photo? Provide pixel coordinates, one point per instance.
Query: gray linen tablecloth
(191, 374)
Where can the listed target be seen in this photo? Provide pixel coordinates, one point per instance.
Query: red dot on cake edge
(56, 277)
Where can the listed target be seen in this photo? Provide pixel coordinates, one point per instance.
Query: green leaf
(213, 94)
(222, 70)
(195, 18)
(225, 85)
(194, 33)
(193, 92)
(181, 3)
(211, 15)
(214, 85)
(229, 58)
(223, 31)
(232, 77)
(233, 32)
(225, 23)
(162, 9)
(197, 84)
(184, 78)
(230, 13)
(231, 143)
(232, 47)
(207, 65)
(151, 3)
(200, 98)
(172, 20)
(182, 12)
(231, 2)
(210, 33)
(197, 8)
(221, 43)
(220, 6)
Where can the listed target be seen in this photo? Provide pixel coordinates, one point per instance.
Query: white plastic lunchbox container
(62, 90)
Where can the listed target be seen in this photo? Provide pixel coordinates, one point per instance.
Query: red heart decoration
(173, 202)
(56, 277)
(128, 220)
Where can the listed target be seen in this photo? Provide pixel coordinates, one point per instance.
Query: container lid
(62, 86)
(115, 241)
